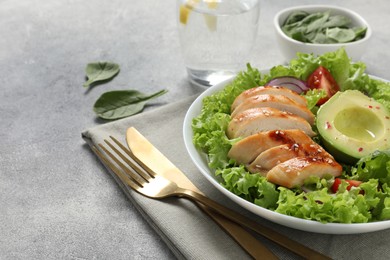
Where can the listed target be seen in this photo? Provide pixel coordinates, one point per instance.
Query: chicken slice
(280, 102)
(247, 149)
(256, 120)
(268, 159)
(270, 90)
(293, 172)
(278, 154)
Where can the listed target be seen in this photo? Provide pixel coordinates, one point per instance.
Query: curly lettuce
(369, 202)
(373, 166)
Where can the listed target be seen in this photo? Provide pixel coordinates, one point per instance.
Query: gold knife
(156, 161)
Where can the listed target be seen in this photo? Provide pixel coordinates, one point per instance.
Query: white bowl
(289, 47)
(201, 162)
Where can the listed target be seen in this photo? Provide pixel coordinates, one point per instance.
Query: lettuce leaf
(312, 96)
(373, 166)
(252, 187)
(319, 205)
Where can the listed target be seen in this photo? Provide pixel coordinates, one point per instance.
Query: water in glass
(216, 37)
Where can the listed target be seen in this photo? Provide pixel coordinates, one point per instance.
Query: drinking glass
(216, 37)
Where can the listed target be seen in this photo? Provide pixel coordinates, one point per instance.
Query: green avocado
(352, 125)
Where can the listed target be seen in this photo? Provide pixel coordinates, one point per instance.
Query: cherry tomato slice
(322, 79)
(337, 182)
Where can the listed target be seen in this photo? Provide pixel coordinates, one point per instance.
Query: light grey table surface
(53, 204)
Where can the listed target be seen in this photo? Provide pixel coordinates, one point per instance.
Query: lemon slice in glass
(185, 10)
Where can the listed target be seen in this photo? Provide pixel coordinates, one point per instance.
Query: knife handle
(271, 234)
(249, 243)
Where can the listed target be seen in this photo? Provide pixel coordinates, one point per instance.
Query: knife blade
(157, 162)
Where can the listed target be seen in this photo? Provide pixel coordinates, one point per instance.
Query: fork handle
(274, 236)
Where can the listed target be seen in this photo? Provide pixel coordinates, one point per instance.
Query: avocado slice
(353, 125)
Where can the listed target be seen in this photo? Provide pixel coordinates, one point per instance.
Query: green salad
(368, 202)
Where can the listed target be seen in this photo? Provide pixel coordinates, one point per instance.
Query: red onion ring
(289, 82)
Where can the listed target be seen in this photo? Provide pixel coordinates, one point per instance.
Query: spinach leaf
(321, 27)
(296, 16)
(360, 32)
(100, 71)
(340, 34)
(122, 103)
(315, 22)
(337, 21)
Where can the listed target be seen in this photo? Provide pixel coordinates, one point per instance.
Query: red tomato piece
(322, 79)
(337, 182)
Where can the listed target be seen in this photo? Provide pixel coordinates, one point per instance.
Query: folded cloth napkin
(187, 231)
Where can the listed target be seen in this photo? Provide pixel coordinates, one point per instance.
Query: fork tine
(123, 177)
(140, 170)
(129, 171)
(135, 158)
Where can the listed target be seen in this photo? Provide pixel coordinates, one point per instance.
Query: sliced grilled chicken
(293, 172)
(278, 154)
(247, 149)
(268, 159)
(270, 91)
(256, 120)
(280, 102)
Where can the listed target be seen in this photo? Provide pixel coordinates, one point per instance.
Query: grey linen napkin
(187, 231)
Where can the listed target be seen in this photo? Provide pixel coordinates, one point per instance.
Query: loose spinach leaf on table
(100, 71)
(122, 103)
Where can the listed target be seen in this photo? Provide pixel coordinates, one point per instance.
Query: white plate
(200, 160)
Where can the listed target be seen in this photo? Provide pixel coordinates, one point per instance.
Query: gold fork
(146, 182)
